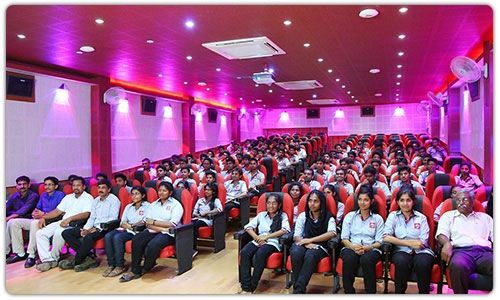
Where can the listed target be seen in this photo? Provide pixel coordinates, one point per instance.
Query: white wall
(383, 122)
(250, 127)
(45, 138)
(135, 136)
(472, 126)
(208, 135)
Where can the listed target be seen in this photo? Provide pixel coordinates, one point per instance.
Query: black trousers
(149, 245)
(82, 246)
(304, 263)
(228, 207)
(196, 225)
(350, 265)
(468, 260)
(259, 256)
(421, 264)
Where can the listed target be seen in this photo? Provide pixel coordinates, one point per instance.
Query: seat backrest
(483, 193)
(287, 204)
(271, 166)
(450, 161)
(151, 194)
(440, 194)
(424, 206)
(151, 183)
(451, 204)
(352, 205)
(185, 198)
(435, 180)
(331, 205)
(125, 198)
(456, 169)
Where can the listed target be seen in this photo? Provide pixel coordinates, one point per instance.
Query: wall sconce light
(339, 114)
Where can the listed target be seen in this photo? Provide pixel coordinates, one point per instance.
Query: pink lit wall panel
(135, 136)
(472, 127)
(49, 136)
(209, 135)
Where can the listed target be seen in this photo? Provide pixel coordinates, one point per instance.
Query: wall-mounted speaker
(148, 106)
(20, 87)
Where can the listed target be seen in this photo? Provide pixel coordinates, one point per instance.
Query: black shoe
(16, 258)
(30, 262)
(129, 276)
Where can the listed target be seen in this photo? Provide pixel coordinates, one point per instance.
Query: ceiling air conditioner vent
(245, 48)
(300, 85)
(323, 101)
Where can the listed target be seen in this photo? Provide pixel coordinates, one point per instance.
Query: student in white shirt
(432, 168)
(340, 177)
(105, 208)
(296, 191)
(235, 189)
(132, 219)
(308, 180)
(74, 207)
(467, 180)
(184, 182)
(146, 167)
(329, 190)
(161, 172)
(265, 229)
(163, 214)
(408, 230)
(203, 208)
(314, 227)
(206, 166)
(467, 240)
(404, 175)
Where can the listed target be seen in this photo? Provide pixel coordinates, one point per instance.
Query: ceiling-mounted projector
(263, 78)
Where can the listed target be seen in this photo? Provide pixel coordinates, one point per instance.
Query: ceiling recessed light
(338, 79)
(401, 53)
(270, 91)
(287, 22)
(348, 92)
(185, 82)
(356, 101)
(202, 83)
(79, 52)
(218, 69)
(403, 10)
(398, 83)
(258, 100)
(314, 96)
(253, 102)
(150, 41)
(99, 21)
(291, 100)
(189, 24)
(397, 99)
(368, 13)
(21, 36)
(271, 70)
(264, 105)
(320, 59)
(352, 97)
(87, 49)
(399, 66)
(160, 75)
(208, 89)
(401, 36)
(300, 103)
(374, 71)
(256, 85)
(397, 95)
(330, 70)
(307, 45)
(189, 57)
(399, 76)
(378, 94)
(241, 98)
(343, 86)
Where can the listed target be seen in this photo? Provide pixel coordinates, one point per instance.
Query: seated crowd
(385, 182)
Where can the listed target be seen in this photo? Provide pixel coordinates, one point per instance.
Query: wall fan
(465, 69)
(113, 95)
(424, 106)
(198, 108)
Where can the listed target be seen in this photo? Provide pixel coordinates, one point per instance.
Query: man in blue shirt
(18, 206)
(48, 201)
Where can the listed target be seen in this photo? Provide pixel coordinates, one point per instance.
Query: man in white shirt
(256, 178)
(105, 208)
(404, 177)
(340, 177)
(432, 168)
(467, 239)
(146, 167)
(369, 173)
(308, 180)
(74, 207)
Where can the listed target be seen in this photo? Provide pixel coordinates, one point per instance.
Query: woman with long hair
(265, 229)
(408, 230)
(362, 236)
(313, 229)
